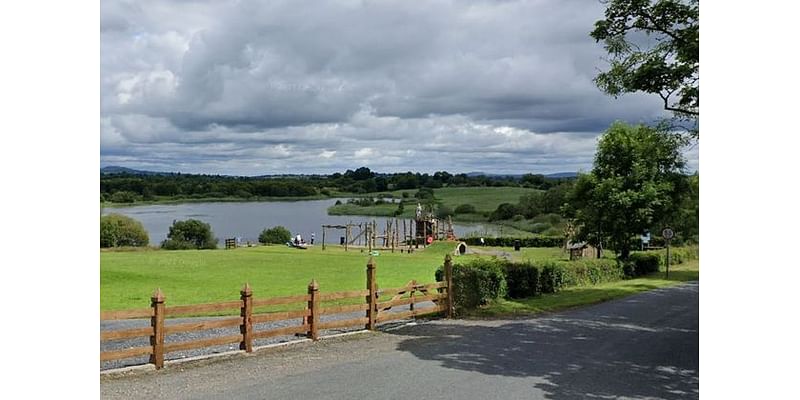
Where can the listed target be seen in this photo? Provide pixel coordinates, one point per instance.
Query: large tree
(637, 181)
(654, 47)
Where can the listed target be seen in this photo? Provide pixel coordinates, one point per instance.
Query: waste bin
(516, 245)
(341, 240)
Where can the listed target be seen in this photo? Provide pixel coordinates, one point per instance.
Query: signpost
(667, 234)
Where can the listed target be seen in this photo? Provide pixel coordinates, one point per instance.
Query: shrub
(190, 234)
(124, 197)
(119, 230)
(642, 263)
(476, 283)
(465, 209)
(552, 277)
(275, 235)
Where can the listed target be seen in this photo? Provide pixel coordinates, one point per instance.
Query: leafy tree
(504, 211)
(400, 209)
(654, 47)
(530, 205)
(119, 230)
(275, 235)
(190, 233)
(443, 212)
(634, 183)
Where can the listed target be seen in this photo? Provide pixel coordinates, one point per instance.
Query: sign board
(646, 238)
(667, 233)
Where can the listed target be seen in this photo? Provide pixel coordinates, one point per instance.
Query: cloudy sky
(251, 88)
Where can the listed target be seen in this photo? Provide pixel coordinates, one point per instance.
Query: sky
(253, 88)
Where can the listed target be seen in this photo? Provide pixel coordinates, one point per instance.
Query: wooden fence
(375, 312)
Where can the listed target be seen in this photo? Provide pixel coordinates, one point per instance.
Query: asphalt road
(643, 347)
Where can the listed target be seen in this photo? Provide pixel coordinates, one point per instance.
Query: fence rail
(440, 293)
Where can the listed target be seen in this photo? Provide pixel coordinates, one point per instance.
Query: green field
(128, 278)
(484, 199)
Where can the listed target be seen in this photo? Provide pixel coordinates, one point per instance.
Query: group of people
(299, 239)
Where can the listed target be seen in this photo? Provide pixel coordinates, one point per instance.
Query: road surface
(640, 347)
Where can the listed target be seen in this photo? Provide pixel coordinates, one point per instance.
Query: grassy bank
(170, 200)
(585, 295)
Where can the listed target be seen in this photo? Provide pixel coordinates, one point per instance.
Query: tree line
(129, 188)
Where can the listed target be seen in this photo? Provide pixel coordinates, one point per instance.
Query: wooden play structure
(422, 230)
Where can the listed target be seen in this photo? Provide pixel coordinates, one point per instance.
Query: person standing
(312, 237)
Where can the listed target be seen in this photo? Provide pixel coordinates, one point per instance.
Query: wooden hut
(580, 250)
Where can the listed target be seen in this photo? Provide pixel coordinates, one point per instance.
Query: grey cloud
(196, 84)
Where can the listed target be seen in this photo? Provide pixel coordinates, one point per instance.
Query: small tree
(190, 234)
(275, 235)
(118, 230)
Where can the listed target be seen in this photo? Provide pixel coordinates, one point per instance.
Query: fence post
(157, 322)
(448, 277)
(372, 299)
(247, 319)
(313, 305)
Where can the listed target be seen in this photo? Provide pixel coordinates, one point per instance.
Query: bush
(442, 212)
(275, 235)
(642, 263)
(190, 234)
(552, 277)
(118, 230)
(476, 283)
(124, 197)
(465, 209)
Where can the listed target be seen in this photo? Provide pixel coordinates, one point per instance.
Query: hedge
(476, 283)
(481, 281)
(536, 241)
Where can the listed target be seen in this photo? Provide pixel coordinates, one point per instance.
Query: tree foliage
(190, 234)
(275, 235)
(654, 47)
(119, 230)
(636, 181)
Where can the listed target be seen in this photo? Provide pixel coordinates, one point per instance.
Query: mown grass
(585, 295)
(127, 279)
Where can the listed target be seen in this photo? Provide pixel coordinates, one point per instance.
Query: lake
(246, 220)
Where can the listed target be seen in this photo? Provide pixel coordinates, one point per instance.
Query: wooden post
(411, 305)
(246, 328)
(372, 298)
(313, 305)
(157, 322)
(323, 238)
(448, 277)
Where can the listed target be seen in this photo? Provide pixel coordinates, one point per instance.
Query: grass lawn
(584, 295)
(128, 278)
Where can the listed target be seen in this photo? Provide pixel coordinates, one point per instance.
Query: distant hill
(556, 175)
(113, 169)
(562, 175)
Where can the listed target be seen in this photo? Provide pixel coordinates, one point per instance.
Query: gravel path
(210, 333)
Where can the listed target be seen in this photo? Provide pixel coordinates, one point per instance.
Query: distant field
(484, 199)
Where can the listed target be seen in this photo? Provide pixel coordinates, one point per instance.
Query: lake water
(246, 220)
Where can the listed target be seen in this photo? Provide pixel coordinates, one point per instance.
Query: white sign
(646, 238)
